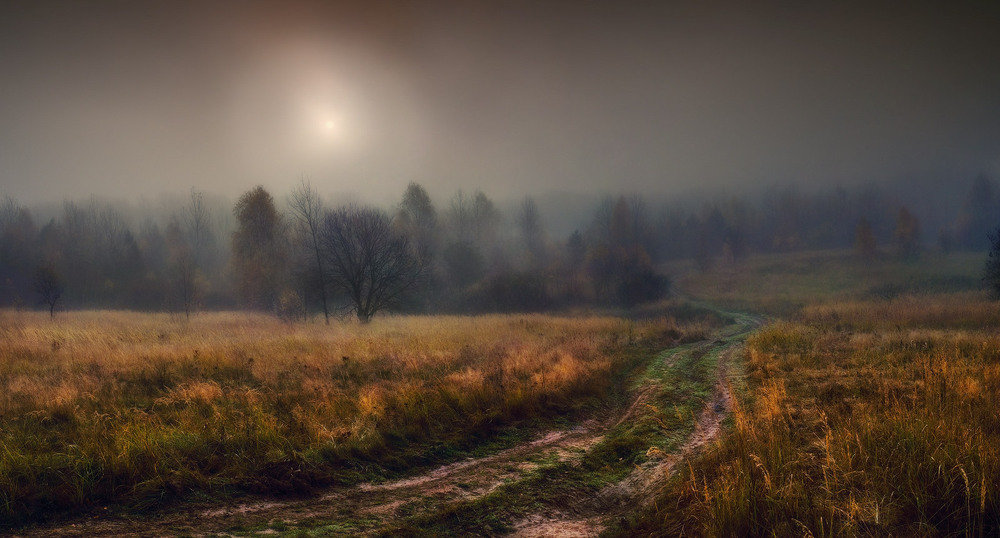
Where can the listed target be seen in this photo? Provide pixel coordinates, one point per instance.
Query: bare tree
(184, 274)
(460, 217)
(197, 223)
(369, 260)
(529, 221)
(48, 286)
(307, 210)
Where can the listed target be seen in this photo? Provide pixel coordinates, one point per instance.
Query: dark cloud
(512, 97)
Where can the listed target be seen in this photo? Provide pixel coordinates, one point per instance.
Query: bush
(641, 287)
(290, 306)
(513, 292)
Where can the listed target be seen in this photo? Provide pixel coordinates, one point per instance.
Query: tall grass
(120, 407)
(865, 417)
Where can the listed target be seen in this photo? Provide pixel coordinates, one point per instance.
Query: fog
(135, 99)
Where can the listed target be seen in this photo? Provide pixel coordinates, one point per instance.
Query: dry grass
(126, 407)
(865, 417)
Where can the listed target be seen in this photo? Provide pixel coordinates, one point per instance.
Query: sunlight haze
(113, 98)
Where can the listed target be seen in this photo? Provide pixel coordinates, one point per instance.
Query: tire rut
(639, 488)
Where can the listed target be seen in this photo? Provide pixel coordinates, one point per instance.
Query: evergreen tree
(259, 249)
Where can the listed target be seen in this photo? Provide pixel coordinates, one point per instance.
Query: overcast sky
(135, 98)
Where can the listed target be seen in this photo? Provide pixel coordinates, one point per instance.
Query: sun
(329, 125)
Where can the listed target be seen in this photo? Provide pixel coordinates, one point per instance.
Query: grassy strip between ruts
(134, 409)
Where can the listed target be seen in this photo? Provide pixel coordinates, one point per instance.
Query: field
(864, 404)
(862, 412)
(783, 284)
(135, 410)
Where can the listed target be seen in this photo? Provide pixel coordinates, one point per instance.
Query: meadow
(783, 284)
(859, 412)
(133, 410)
(866, 405)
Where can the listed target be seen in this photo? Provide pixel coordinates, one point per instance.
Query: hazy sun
(329, 125)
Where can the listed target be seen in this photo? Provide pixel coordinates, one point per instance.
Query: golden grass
(864, 417)
(121, 406)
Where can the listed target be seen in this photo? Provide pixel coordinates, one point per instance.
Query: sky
(124, 98)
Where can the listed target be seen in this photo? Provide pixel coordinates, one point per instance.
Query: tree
(577, 251)
(418, 219)
(979, 211)
(197, 221)
(618, 264)
(307, 209)
(259, 249)
(991, 273)
(473, 218)
(864, 239)
(17, 250)
(485, 219)
(460, 217)
(529, 222)
(185, 277)
(907, 234)
(368, 259)
(48, 286)
(463, 263)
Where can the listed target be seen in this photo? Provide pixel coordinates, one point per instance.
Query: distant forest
(296, 257)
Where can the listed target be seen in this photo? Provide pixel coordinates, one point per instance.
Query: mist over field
(723, 124)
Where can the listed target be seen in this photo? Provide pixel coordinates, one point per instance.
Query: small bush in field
(290, 306)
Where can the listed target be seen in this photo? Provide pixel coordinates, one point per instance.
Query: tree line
(298, 257)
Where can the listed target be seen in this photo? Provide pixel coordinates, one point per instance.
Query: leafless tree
(48, 286)
(368, 259)
(460, 217)
(185, 277)
(529, 221)
(307, 210)
(197, 223)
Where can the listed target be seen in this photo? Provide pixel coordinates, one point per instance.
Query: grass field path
(536, 488)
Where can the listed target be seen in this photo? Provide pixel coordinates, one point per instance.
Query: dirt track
(368, 508)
